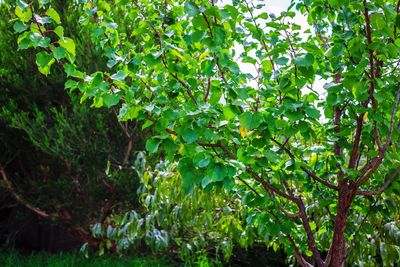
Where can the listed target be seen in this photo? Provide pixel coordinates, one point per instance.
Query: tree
(176, 67)
(55, 150)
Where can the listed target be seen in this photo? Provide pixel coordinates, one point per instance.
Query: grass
(15, 259)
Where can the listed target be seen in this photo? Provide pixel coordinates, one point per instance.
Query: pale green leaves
(52, 13)
(68, 44)
(128, 112)
(59, 30)
(24, 15)
(228, 113)
(71, 71)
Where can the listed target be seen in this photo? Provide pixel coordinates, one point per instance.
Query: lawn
(15, 259)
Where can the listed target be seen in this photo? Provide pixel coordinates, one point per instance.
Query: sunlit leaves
(23, 14)
(68, 44)
(119, 76)
(52, 13)
(185, 75)
(59, 30)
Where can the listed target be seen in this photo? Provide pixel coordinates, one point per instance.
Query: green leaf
(304, 61)
(190, 135)
(59, 30)
(19, 26)
(217, 173)
(191, 8)
(151, 60)
(68, 44)
(228, 113)
(44, 61)
(189, 175)
(312, 112)
(71, 71)
(147, 124)
(24, 41)
(119, 76)
(42, 20)
(378, 21)
(128, 112)
(52, 13)
(39, 41)
(21, 4)
(250, 120)
(266, 65)
(111, 100)
(282, 61)
(23, 15)
(152, 145)
(59, 53)
(198, 36)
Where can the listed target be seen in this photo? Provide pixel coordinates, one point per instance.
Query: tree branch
(372, 165)
(309, 172)
(383, 187)
(19, 199)
(297, 254)
(392, 118)
(316, 178)
(207, 90)
(310, 236)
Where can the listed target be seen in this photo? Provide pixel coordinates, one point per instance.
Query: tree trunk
(338, 253)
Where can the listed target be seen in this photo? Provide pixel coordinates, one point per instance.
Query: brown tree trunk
(338, 253)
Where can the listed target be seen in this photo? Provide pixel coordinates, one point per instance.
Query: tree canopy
(304, 159)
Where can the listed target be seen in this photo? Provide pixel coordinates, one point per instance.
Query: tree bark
(338, 253)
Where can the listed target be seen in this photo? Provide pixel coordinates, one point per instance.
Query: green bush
(194, 225)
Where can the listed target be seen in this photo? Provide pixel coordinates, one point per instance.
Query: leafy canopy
(303, 158)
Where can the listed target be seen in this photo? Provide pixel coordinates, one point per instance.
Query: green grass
(15, 259)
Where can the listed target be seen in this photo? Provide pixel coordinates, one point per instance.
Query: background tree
(55, 149)
(301, 176)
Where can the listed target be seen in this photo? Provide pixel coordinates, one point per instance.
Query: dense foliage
(54, 149)
(302, 175)
(193, 225)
